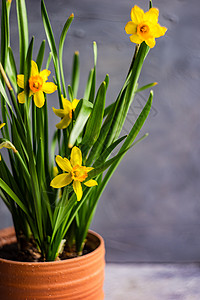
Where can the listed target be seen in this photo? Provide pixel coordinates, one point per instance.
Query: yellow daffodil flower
(74, 171)
(37, 85)
(65, 113)
(144, 26)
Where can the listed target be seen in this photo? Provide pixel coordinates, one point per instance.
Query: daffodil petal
(20, 81)
(39, 99)
(78, 190)
(137, 14)
(91, 183)
(59, 112)
(158, 30)
(134, 38)
(64, 123)
(74, 104)
(76, 157)
(21, 97)
(150, 42)
(89, 169)
(49, 87)
(34, 69)
(55, 171)
(131, 28)
(61, 180)
(0, 157)
(45, 74)
(67, 105)
(2, 124)
(152, 15)
(63, 163)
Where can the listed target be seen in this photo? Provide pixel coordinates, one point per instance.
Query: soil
(31, 254)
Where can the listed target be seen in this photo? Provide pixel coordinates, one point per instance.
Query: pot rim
(57, 262)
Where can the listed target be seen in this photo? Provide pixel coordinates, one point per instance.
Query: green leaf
(107, 80)
(6, 188)
(40, 55)
(49, 60)
(3, 93)
(93, 81)
(52, 45)
(147, 86)
(23, 32)
(88, 85)
(107, 109)
(71, 94)
(61, 44)
(84, 113)
(75, 74)
(11, 69)
(4, 34)
(95, 121)
(126, 96)
(27, 69)
(103, 166)
(108, 151)
(128, 142)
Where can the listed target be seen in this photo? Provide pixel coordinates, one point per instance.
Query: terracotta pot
(78, 278)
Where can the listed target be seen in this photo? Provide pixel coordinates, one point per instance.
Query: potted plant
(52, 192)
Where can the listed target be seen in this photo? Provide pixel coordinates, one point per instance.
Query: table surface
(152, 282)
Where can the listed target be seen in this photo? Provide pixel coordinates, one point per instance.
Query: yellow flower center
(143, 30)
(79, 173)
(35, 83)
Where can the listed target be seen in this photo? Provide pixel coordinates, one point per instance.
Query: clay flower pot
(77, 278)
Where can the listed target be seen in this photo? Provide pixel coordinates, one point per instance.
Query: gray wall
(150, 210)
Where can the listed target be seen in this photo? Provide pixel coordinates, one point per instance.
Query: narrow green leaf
(3, 93)
(113, 162)
(40, 55)
(70, 93)
(95, 121)
(84, 113)
(95, 53)
(27, 69)
(147, 86)
(23, 32)
(75, 74)
(61, 44)
(126, 96)
(107, 80)
(103, 166)
(4, 34)
(128, 142)
(88, 85)
(49, 60)
(12, 70)
(107, 109)
(108, 151)
(93, 83)
(6, 188)
(52, 45)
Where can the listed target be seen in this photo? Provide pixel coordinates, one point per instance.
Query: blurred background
(150, 210)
